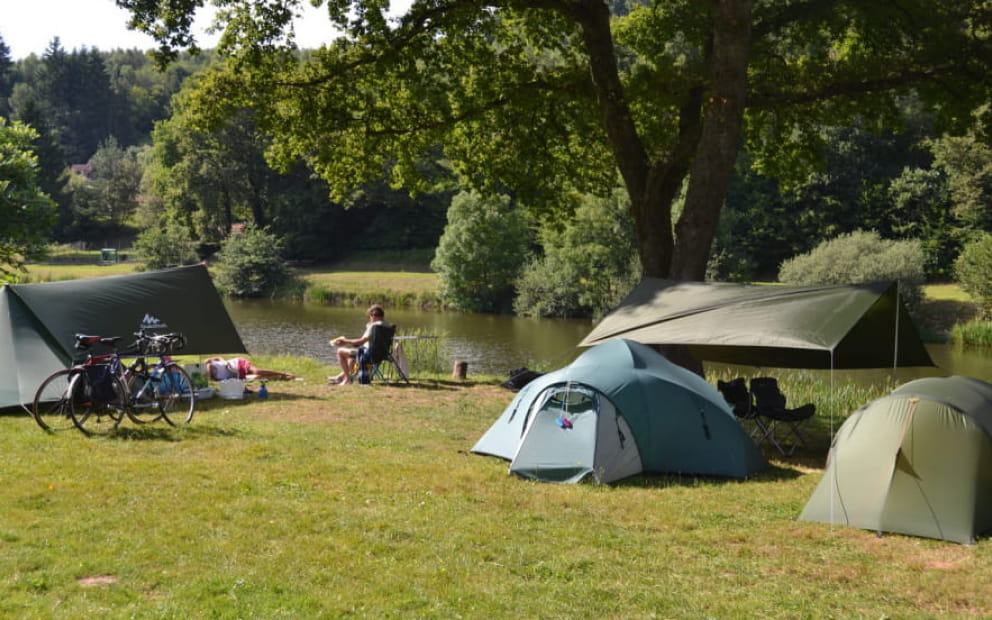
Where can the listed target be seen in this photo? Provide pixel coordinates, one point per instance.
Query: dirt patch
(93, 581)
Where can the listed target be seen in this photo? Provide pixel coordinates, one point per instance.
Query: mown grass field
(326, 502)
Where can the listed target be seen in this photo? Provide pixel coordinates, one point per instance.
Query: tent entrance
(572, 431)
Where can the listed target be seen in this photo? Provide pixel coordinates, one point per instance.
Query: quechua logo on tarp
(150, 321)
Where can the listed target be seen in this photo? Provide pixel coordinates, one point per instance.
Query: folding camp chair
(736, 394)
(380, 349)
(769, 403)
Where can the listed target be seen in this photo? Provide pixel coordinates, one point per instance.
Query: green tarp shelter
(852, 326)
(620, 409)
(917, 461)
(38, 321)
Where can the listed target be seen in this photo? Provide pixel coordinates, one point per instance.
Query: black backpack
(364, 366)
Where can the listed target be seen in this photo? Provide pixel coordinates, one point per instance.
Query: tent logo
(152, 322)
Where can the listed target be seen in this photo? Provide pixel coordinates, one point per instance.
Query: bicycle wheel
(143, 406)
(94, 415)
(51, 402)
(175, 395)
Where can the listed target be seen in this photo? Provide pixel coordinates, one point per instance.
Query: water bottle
(263, 392)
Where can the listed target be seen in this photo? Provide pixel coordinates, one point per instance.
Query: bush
(971, 269)
(587, 267)
(860, 257)
(480, 254)
(251, 264)
(166, 246)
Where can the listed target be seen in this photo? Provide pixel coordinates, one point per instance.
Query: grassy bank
(326, 502)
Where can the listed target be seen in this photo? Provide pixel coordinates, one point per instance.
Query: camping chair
(769, 403)
(736, 394)
(380, 348)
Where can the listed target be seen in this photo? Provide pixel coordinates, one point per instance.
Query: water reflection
(495, 344)
(490, 344)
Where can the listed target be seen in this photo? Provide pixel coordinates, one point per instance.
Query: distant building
(84, 170)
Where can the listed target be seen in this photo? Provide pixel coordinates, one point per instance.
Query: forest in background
(122, 150)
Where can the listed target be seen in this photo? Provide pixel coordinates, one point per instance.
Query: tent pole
(895, 345)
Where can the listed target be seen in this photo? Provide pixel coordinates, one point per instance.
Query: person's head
(375, 312)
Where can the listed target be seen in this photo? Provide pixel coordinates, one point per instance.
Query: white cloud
(28, 26)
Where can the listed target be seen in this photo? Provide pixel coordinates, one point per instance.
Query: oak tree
(547, 96)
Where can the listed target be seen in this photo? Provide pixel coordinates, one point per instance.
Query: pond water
(494, 344)
(490, 344)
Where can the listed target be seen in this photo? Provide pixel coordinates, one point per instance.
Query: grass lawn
(49, 272)
(365, 501)
(365, 281)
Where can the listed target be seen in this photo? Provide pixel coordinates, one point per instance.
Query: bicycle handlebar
(145, 343)
(159, 343)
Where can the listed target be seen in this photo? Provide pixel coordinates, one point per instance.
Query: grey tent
(620, 409)
(852, 326)
(38, 321)
(917, 461)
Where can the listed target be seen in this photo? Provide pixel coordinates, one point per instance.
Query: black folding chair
(736, 394)
(380, 348)
(769, 403)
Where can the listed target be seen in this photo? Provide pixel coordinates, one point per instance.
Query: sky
(28, 26)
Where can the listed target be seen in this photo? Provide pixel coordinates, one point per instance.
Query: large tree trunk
(716, 153)
(705, 151)
(652, 188)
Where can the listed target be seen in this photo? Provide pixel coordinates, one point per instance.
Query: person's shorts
(243, 366)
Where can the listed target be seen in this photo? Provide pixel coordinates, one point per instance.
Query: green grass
(395, 288)
(946, 292)
(50, 272)
(364, 501)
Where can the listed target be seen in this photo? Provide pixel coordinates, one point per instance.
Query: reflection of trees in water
(490, 344)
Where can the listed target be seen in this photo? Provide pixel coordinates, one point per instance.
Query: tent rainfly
(620, 409)
(38, 321)
(917, 461)
(852, 326)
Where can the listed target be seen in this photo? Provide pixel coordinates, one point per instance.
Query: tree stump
(460, 369)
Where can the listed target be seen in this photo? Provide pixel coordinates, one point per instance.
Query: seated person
(240, 368)
(348, 347)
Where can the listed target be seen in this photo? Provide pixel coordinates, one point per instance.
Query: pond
(490, 344)
(493, 344)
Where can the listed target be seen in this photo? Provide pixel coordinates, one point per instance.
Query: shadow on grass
(774, 473)
(161, 431)
(938, 317)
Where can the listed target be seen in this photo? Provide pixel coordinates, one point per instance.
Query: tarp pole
(895, 344)
(833, 405)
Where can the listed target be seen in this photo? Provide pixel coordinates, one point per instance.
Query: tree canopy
(542, 97)
(26, 213)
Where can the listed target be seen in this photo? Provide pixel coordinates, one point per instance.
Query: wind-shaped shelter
(38, 321)
(850, 326)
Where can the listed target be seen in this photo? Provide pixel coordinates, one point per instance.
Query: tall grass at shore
(977, 332)
(365, 501)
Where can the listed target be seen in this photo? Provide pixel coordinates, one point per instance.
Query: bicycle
(163, 390)
(96, 394)
(53, 401)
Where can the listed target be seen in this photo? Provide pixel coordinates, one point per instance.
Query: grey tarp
(38, 321)
(850, 326)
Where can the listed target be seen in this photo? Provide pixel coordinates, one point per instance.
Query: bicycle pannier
(100, 382)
